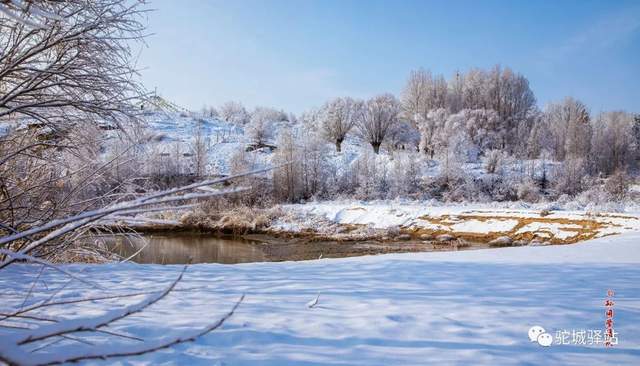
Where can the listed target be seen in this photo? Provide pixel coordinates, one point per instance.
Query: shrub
(571, 177)
(617, 185)
(528, 191)
(493, 161)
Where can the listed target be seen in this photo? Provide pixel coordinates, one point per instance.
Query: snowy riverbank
(471, 307)
(469, 222)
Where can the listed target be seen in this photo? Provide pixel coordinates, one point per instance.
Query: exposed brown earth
(588, 228)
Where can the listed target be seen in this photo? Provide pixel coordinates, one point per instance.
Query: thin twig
(77, 325)
(14, 255)
(144, 348)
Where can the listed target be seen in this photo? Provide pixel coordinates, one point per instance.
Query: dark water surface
(185, 247)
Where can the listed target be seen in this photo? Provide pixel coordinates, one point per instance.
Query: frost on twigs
(18, 348)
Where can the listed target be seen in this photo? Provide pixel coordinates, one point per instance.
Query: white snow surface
(446, 308)
(491, 225)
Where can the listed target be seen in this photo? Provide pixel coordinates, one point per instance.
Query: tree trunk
(339, 145)
(376, 147)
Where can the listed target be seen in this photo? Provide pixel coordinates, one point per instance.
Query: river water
(182, 248)
(186, 248)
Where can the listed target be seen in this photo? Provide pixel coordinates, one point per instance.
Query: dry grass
(237, 220)
(588, 228)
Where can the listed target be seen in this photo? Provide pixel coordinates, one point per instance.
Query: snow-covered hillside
(168, 125)
(222, 139)
(171, 131)
(452, 308)
(356, 172)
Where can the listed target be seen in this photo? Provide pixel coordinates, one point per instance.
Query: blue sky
(297, 54)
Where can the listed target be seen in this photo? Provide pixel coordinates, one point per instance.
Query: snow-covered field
(470, 307)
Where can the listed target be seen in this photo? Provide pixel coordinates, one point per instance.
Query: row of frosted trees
(479, 111)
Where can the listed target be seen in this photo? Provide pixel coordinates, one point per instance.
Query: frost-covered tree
(475, 89)
(73, 66)
(261, 125)
(373, 179)
(453, 142)
(518, 143)
(514, 104)
(439, 92)
(209, 112)
(199, 150)
(568, 122)
(405, 175)
(379, 116)
(338, 117)
(404, 136)
(493, 161)
(539, 139)
(483, 128)
(305, 169)
(508, 93)
(636, 137)
(259, 132)
(234, 112)
(292, 118)
(286, 180)
(311, 120)
(569, 178)
(455, 93)
(422, 94)
(429, 128)
(415, 96)
(612, 141)
(502, 91)
(462, 136)
(505, 92)
(67, 71)
(314, 167)
(269, 114)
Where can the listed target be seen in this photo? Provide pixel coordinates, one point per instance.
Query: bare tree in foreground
(67, 74)
(74, 67)
(66, 70)
(13, 349)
